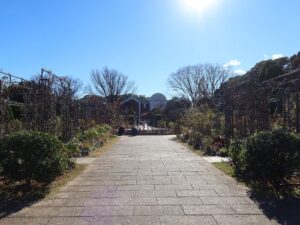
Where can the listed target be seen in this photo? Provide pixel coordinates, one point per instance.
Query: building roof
(158, 97)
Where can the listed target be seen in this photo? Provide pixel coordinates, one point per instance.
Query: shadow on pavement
(285, 211)
(9, 206)
(14, 198)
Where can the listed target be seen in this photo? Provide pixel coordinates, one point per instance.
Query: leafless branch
(198, 82)
(111, 84)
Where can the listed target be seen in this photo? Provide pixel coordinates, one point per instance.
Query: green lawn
(225, 167)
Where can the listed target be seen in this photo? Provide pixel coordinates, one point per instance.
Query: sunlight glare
(198, 6)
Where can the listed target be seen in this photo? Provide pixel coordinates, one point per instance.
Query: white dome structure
(158, 100)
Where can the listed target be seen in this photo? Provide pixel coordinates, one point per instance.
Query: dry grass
(107, 145)
(64, 179)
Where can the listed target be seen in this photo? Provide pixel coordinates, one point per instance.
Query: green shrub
(72, 148)
(237, 153)
(103, 128)
(266, 156)
(33, 156)
(104, 131)
(93, 138)
(223, 152)
(89, 134)
(96, 132)
(272, 156)
(201, 129)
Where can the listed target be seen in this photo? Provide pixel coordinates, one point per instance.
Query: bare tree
(198, 82)
(73, 85)
(111, 84)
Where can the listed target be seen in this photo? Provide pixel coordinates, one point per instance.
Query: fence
(256, 106)
(47, 104)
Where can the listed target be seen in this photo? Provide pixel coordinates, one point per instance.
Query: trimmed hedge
(267, 156)
(33, 156)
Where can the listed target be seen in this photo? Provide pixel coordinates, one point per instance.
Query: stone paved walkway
(146, 180)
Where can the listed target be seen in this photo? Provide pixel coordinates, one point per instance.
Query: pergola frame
(248, 106)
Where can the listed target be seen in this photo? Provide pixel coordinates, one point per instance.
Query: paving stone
(133, 201)
(161, 178)
(196, 193)
(224, 200)
(113, 194)
(137, 177)
(243, 220)
(179, 180)
(216, 180)
(207, 209)
(201, 185)
(88, 202)
(50, 202)
(146, 180)
(135, 187)
(116, 182)
(73, 221)
(126, 182)
(91, 188)
(157, 210)
(165, 181)
(179, 201)
(36, 212)
(187, 220)
(132, 220)
(196, 177)
(230, 192)
(99, 177)
(156, 193)
(73, 195)
(107, 211)
(246, 209)
(24, 221)
(49, 212)
(173, 187)
(182, 173)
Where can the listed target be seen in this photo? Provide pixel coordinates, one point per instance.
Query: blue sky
(144, 39)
